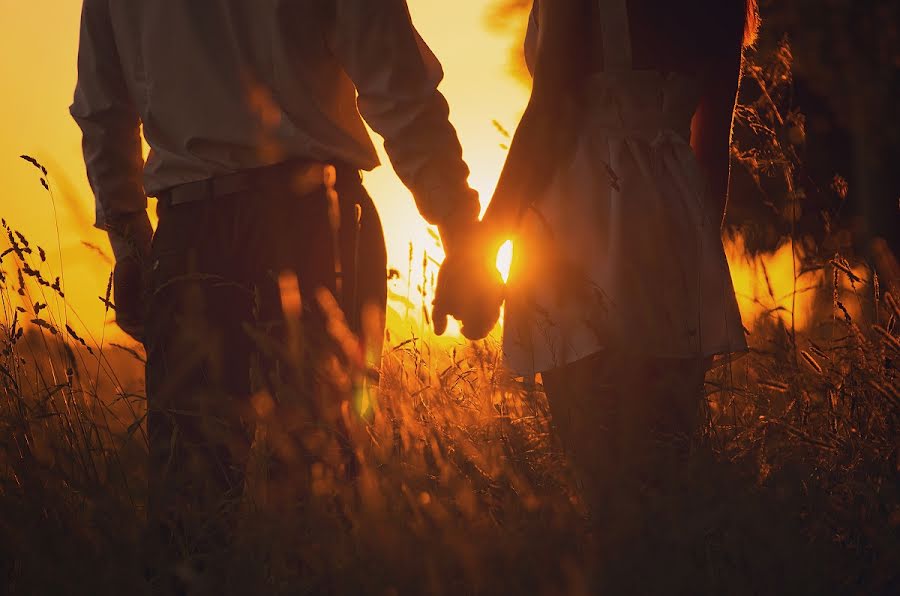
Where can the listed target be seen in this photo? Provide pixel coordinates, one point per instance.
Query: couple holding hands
(614, 190)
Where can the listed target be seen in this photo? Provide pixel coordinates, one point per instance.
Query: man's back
(223, 88)
(227, 85)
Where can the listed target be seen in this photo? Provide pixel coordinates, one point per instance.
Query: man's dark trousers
(214, 300)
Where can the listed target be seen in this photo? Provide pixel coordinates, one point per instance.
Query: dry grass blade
(889, 340)
(892, 303)
(811, 361)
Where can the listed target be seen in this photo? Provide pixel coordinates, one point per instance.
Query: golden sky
(38, 46)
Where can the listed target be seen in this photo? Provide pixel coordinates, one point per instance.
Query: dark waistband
(303, 176)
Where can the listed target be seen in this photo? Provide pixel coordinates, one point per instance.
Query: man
(244, 106)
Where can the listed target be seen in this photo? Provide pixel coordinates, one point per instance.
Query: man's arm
(110, 124)
(397, 77)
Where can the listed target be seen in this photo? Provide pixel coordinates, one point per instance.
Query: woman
(614, 190)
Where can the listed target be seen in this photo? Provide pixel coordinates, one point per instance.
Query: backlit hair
(751, 23)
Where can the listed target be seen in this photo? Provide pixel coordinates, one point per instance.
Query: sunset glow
(258, 401)
(39, 53)
(504, 259)
(479, 83)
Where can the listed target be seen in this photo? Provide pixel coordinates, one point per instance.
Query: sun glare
(504, 259)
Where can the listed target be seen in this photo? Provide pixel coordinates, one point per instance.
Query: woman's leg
(583, 403)
(660, 422)
(626, 425)
(589, 410)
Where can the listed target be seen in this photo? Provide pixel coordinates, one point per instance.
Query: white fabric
(622, 251)
(225, 85)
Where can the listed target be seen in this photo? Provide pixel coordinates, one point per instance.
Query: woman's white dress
(623, 250)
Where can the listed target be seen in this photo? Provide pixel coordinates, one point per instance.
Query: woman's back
(664, 35)
(682, 36)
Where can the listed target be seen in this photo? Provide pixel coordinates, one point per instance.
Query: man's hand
(130, 237)
(128, 296)
(469, 288)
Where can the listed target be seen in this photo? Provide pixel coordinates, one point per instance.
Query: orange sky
(37, 64)
(38, 49)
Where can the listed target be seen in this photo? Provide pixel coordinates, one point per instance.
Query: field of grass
(459, 485)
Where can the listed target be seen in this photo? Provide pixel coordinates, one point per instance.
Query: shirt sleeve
(397, 78)
(108, 118)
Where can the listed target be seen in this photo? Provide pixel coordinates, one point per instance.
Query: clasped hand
(469, 288)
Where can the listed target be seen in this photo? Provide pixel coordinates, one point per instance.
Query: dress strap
(616, 34)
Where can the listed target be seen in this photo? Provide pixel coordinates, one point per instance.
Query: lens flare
(504, 259)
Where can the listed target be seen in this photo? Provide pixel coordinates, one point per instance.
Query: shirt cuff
(444, 203)
(458, 218)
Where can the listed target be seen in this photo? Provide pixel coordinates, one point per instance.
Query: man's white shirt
(220, 86)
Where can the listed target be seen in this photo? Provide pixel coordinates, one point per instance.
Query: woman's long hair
(752, 23)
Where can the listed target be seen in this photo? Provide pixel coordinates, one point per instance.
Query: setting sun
(504, 259)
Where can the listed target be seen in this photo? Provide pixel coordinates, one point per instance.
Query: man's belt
(303, 177)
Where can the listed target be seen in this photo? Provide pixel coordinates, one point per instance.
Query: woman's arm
(712, 124)
(546, 132)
